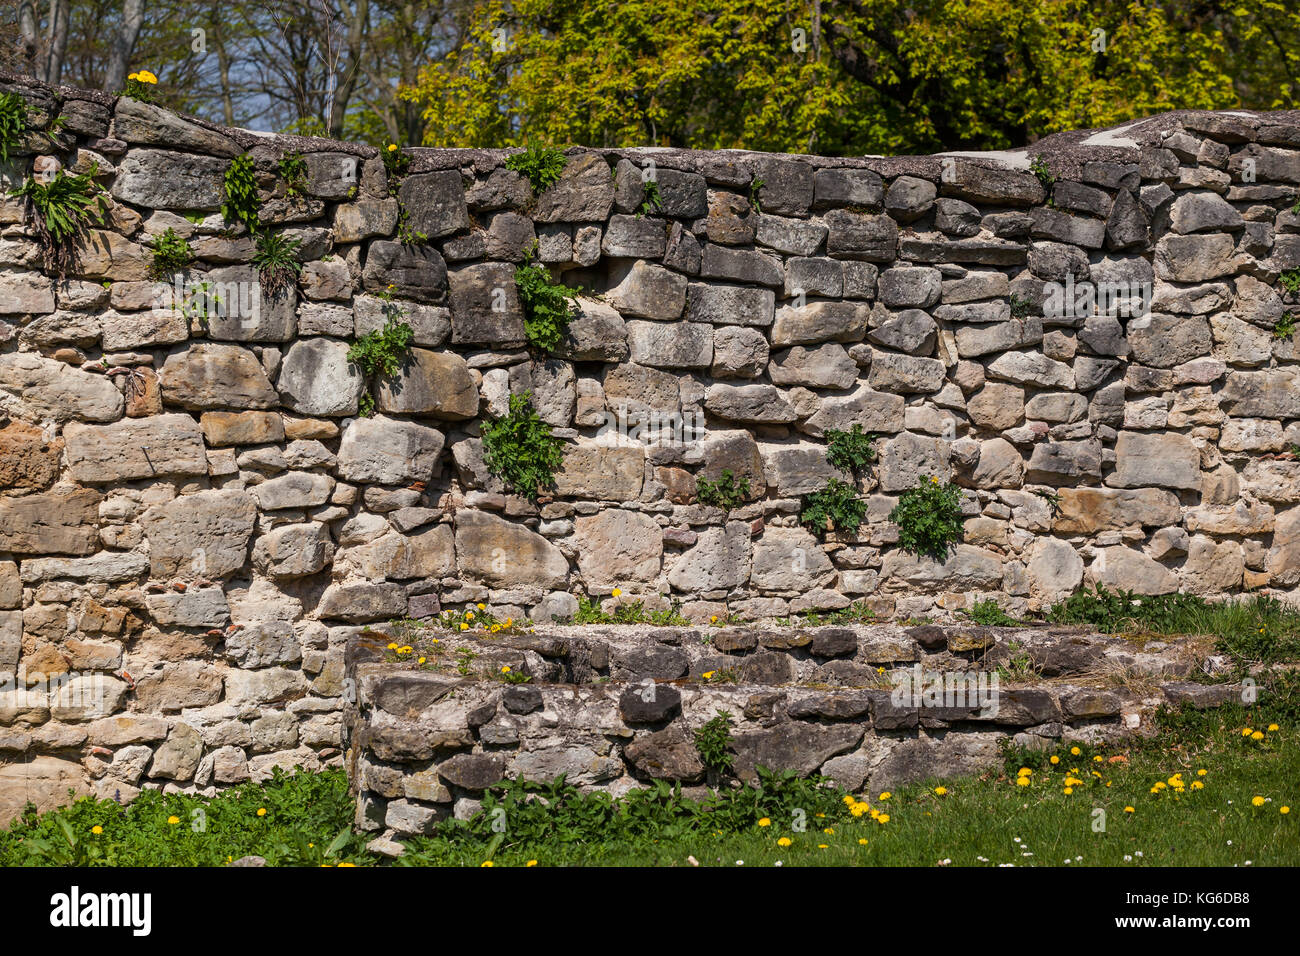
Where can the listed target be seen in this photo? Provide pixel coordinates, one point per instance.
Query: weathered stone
(600, 472)
(505, 554)
(207, 375)
(1166, 461)
(389, 452)
(203, 535)
(434, 203)
(617, 546)
(61, 521)
(430, 383)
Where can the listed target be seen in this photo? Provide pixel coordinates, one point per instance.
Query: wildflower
(509, 621)
(144, 76)
(1246, 732)
(481, 606)
(1097, 759)
(1202, 772)
(421, 660)
(1257, 801)
(1055, 760)
(1075, 751)
(1068, 791)
(1197, 785)
(784, 841)
(862, 842)
(1283, 810)
(617, 592)
(822, 846)
(765, 822)
(883, 818)
(261, 811)
(1022, 781)
(392, 147)
(464, 626)
(172, 821)
(469, 615)
(486, 863)
(1272, 727)
(713, 619)
(505, 668)
(392, 646)
(940, 791)
(1129, 810)
(531, 863)
(1257, 735)
(829, 831)
(97, 830)
(708, 675)
(885, 796)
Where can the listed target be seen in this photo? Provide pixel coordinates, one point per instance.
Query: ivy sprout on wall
(520, 449)
(929, 518)
(13, 123)
(61, 212)
(540, 165)
(171, 254)
(545, 302)
(380, 352)
(241, 193)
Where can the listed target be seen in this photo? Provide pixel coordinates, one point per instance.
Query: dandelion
(1257, 735)
(708, 675)
(481, 606)
(1055, 760)
(862, 842)
(421, 660)
(1068, 791)
(765, 822)
(1272, 727)
(886, 795)
(97, 830)
(1197, 785)
(1246, 732)
(261, 811)
(531, 863)
(1284, 810)
(617, 592)
(486, 863)
(1129, 810)
(464, 626)
(392, 147)
(1202, 772)
(144, 76)
(713, 619)
(172, 821)
(1075, 751)
(1257, 801)
(940, 791)
(784, 841)
(883, 818)
(1022, 781)
(505, 668)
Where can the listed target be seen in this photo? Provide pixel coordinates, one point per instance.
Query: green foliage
(713, 740)
(520, 449)
(293, 171)
(396, 165)
(755, 186)
(240, 185)
(886, 78)
(546, 305)
(379, 352)
(990, 614)
(1290, 280)
(727, 492)
(1258, 629)
(837, 507)
(13, 123)
(1043, 173)
(540, 165)
(171, 254)
(1020, 308)
(308, 822)
(651, 201)
(855, 613)
(928, 518)
(1285, 327)
(62, 212)
(629, 612)
(140, 90)
(277, 263)
(851, 451)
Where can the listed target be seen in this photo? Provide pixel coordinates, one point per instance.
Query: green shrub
(293, 171)
(520, 449)
(380, 352)
(990, 614)
(171, 254)
(540, 165)
(240, 185)
(1290, 280)
(277, 263)
(61, 212)
(837, 507)
(727, 492)
(1285, 326)
(13, 123)
(851, 451)
(929, 519)
(712, 740)
(545, 303)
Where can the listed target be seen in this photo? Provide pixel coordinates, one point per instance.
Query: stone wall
(613, 708)
(194, 519)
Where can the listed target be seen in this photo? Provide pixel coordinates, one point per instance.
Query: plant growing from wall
(380, 352)
(929, 518)
(727, 492)
(852, 451)
(754, 187)
(650, 201)
(1290, 280)
(277, 263)
(1043, 173)
(240, 185)
(171, 254)
(837, 507)
(520, 449)
(1020, 308)
(545, 302)
(396, 165)
(62, 212)
(293, 170)
(1285, 327)
(712, 741)
(540, 165)
(989, 613)
(13, 123)
(142, 86)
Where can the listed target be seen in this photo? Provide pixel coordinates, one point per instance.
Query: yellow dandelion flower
(1197, 785)
(1257, 735)
(1202, 772)
(1272, 727)
(1075, 751)
(421, 661)
(97, 830)
(1022, 781)
(133, 76)
(1055, 760)
(1284, 810)
(481, 606)
(1246, 732)
(862, 842)
(784, 841)
(392, 147)
(713, 619)
(886, 795)
(708, 675)
(617, 592)
(144, 76)
(351, 866)
(940, 791)
(883, 818)
(505, 668)
(1129, 810)
(464, 626)
(531, 863)
(469, 615)
(261, 811)
(765, 822)
(486, 863)
(172, 821)
(823, 846)
(1257, 801)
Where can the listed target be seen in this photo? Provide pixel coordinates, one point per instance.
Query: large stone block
(388, 452)
(62, 521)
(200, 535)
(616, 547)
(208, 375)
(1164, 461)
(134, 448)
(504, 554)
(430, 383)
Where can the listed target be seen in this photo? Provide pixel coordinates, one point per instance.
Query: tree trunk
(58, 40)
(124, 45)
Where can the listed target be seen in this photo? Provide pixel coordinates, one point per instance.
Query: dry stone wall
(194, 518)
